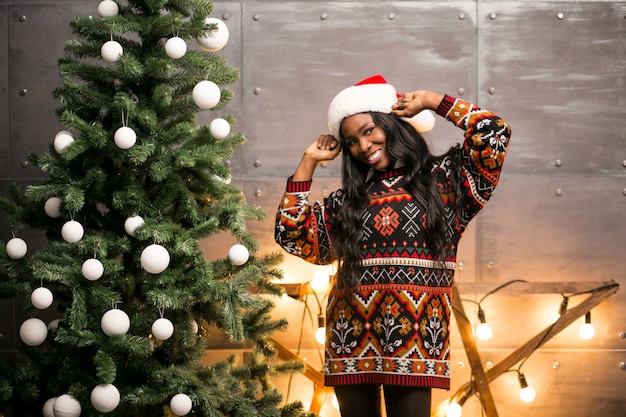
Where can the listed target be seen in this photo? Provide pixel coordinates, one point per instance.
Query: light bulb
(527, 393)
(320, 333)
(483, 330)
(586, 330)
(335, 402)
(454, 410)
(320, 281)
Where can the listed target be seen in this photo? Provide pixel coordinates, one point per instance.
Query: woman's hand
(409, 104)
(325, 148)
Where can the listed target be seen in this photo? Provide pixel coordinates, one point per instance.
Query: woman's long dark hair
(407, 148)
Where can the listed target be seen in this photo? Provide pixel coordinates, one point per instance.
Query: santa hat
(371, 94)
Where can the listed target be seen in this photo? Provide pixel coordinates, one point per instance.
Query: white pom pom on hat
(372, 94)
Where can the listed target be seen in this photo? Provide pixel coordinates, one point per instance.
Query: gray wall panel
(5, 143)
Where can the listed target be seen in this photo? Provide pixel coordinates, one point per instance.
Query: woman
(394, 228)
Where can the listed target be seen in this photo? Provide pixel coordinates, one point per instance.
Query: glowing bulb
(320, 335)
(586, 330)
(335, 402)
(454, 410)
(527, 394)
(320, 281)
(483, 331)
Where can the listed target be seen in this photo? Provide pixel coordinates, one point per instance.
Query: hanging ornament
(162, 329)
(115, 321)
(72, 231)
(41, 298)
(216, 39)
(52, 207)
(92, 269)
(219, 128)
(125, 137)
(62, 139)
(111, 51)
(16, 248)
(181, 404)
(105, 398)
(175, 47)
(54, 325)
(46, 410)
(33, 332)
(132, 223)
(66, 406)
(155, 259)
(238, 254)
(194, 326)
(206, 94)
(108, 8)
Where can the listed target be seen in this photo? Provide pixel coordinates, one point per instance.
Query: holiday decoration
(155, 259)
(175, 47)
(111, 51)
(47, 410)
(114, 322)
(206, 94)
(72, 231)
(61, 140)
(125, 137)
(41, 298)
(217, 38)
(16, 248)
(92, 269)
(162, 329)
(180, 404)
(238, 254)
(132, 223)
(52, 207)
(219, 128)
(108, 8)
(33, 332)
(105, 398)
(54, 325)
(66, 406)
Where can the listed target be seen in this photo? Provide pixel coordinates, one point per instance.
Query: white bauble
(125, 137)
(115, 321)
(16, 248)
(219, 128)
(175, 47)
(92, 269)
(105, 398)
(41, 298)
(424, 121)
(162, 329)
(206, 94)
(47, 407)
(66, 406)
(181, 404)
(72, 231)
(33, 332)
(108, 8)
(54, 325)
(52, 207)
(215, 39)
(111, 51)
(132, 223)
(238, 254)
(62, 139)
(155, 259)
(194, 326)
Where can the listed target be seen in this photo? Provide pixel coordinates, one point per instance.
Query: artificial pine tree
(132, 185)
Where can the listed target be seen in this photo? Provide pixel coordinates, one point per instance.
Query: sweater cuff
(298, 186)
(446, 104)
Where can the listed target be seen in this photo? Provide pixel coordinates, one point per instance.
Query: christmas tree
(133, 183)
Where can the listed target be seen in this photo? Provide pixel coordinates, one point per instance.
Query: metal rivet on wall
(225, 16)
(460, 265)
(325, 192)
(622, 335)
(492, 90)
(257, 163)
(624, 191)
(24, 164)
(461, 91)
(558, 162)
(324, 16)
(490, 264)
(22, 18)
(488, 364)
(23, 92)
(258, 193)
(559, 192)
(622, 365)
(256, 17)
(324, 164)
(461, 16)
(461, 365)
(624, 163)
(257, 91)
(493, 16)
(391, 16)
(560, 16)
(227, 163)
(556, 365)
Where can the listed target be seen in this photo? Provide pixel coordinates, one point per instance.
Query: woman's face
(366, 141)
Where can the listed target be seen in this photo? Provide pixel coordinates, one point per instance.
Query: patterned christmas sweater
(393, 327)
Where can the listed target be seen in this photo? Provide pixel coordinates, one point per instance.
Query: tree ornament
(52, 207)
(105, 398)
(216, 39)
(175, 47)
(206, 94)
(16, 248)
(61, 140)
(125, 137)
(108, 8)
(72, 231)
(115, 321)
(181, 404)
(155, 259)
(238, 254)
(92, 269)
(194, 326)
(111, 51)
(162, 329)
(41, 298)
(33, 332)
(219, 128)
(54, 325)
(132, 223)
(47, 407)
(66, 406)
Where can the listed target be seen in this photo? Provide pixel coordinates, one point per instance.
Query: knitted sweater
(393, 327)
